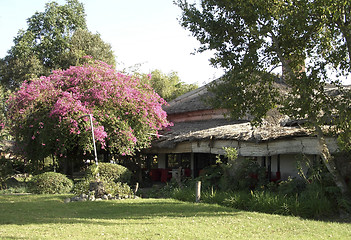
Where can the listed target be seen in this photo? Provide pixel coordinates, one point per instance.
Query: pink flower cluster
(125, 110)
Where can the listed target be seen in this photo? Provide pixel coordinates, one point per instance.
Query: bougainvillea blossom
(49, 114)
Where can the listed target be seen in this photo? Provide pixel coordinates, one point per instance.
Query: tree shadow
(49, 209)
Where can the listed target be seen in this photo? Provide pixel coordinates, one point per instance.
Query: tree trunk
(328, 161)
(139, 170)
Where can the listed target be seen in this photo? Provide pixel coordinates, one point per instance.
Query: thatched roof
(222, 129)
(195, 100)
(277, 126)
(189, 102)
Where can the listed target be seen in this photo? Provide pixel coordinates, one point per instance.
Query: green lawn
(48, 217)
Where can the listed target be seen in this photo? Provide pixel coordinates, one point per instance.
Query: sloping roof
(276, 127)
(189, 102)
(222, 129)
(195, 100)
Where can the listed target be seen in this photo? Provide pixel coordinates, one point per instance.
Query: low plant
(109, 172)
(6, 170)
(214, 196)
(291, 186)
(186, 194)
(211, 176)
(114, 178)
(117, 188)
(50, 183)
(310, 203)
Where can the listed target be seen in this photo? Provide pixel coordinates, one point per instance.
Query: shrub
(315, 203)
(82, 186)
(238, 200)
(6, 171)
(214, 196)
(291, 186)
(110, 172)
(110, 187)
(118, 188)
(312, 202)
(115, 179)
(183, 194)
(246, 174)
(50, 183)
(210, 176)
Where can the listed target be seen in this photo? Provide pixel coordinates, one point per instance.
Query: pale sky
(144, 32)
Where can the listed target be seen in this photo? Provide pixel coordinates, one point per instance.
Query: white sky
(143, 32)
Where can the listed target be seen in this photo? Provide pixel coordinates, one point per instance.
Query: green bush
(291, 186)
(184, 194)
(115, 179)
(82, 186)
(312, 202)
(110, 172)
(110, 187)
(118, 188)
(210, 176)
(6, 171)
(214, 196)
(238, 200)
(50, 183)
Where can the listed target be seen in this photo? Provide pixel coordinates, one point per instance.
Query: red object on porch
(187, 172)
(165, 175)
(155, 174)
(276, 178)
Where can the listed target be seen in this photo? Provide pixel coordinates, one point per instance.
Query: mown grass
(48, 217)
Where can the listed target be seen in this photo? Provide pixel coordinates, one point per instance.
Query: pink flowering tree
(46, 114)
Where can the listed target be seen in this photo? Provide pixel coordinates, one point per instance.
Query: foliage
(231, 153)
(233, 174)
(211, 176)
(110, 172)
(15, 190)
(84, 43)
(241, 174)
(168, 86)
(49, 115)
(110, 187)
(115, 179)
(117, 188)
(15, 184)
(249, 175)
(50, 183)
(6, 170)
(56, 38)
(313, 202)
(309, 40)
(291, 186)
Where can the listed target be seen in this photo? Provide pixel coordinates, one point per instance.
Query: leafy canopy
(56, 38)
(253, 38)
(168, 86)
(46, 114)
(307, 39)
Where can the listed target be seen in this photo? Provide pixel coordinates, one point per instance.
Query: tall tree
(48, 115)
(52, 40)
(84, 43)
(168, 86)
(253, 38)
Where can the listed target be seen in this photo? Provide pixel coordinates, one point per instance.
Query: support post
(198, 191)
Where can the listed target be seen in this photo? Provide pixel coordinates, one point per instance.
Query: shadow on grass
(36, 209)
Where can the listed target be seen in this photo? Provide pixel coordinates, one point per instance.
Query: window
(178, 160)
